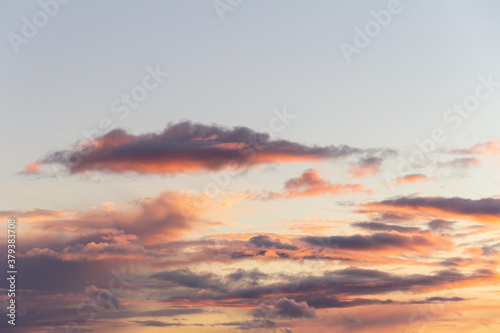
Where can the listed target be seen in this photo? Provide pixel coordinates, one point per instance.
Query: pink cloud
(310, 184)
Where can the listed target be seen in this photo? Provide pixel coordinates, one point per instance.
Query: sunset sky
(251, 166)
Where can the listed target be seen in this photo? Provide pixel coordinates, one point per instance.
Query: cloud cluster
(302, 293)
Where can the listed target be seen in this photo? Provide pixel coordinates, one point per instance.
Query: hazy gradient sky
(348, 225)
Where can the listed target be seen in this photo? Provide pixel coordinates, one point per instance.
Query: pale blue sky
(264, 55)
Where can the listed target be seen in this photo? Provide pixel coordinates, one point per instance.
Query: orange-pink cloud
(188, 147)
(413, 178)
(310, 184)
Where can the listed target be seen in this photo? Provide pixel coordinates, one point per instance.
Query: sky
(251, 166)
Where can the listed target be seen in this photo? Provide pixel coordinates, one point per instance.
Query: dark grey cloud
(250, 276)
(332, 302)
(436, 299)
(327, 290)
(370, 242)
(471, 207)
(441, 225)
(456, 262)
(157, 323)
(47, 274)
(184, 277)
(255, 324)
(286, 308)
(378, 226)
(266, 242)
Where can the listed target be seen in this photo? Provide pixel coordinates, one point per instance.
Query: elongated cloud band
(187, 147)
(485, 209)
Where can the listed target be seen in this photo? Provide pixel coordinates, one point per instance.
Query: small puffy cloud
(285, 309)
(366, 166)
(412, 178)
(32, 168)
(310, 184)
